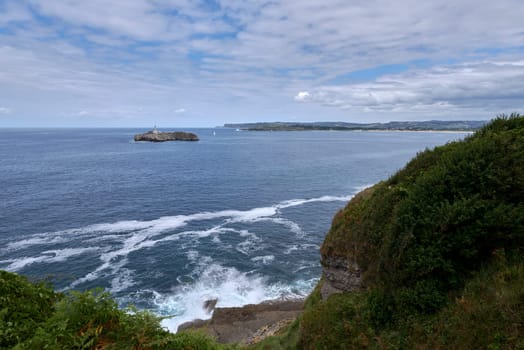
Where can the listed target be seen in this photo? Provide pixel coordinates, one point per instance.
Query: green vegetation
(440, 245)
(421, 239)
(33, 316)
(23, 306)
(488, 313)
(286, 339)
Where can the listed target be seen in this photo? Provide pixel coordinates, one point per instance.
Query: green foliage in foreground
(487, 314)
(33, 316)
(23, 306)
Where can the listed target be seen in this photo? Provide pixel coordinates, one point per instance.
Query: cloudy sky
(205, 63)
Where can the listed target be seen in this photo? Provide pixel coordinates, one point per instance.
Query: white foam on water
(226, 284)
(264, 259)
(291, 249)
(105, 238)
(363, 187)
(297, 202)
(47, 257)
(291, 225)
(114, 242)
(24, 243)
(303, 246)
(199, 265)
(17, 264)
(303, 265)
(251, 244)
(91, 276)
(120, 226)
(246, 233)
(155, 227)
(192, 255)
(122, 281)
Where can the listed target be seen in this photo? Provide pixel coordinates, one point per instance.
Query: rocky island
(157, 136)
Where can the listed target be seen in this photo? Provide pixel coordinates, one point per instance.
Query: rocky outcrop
(155, 136)
(345, 252)
(248, 324)
(339, 275)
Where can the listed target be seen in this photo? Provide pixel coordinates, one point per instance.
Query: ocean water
(237, 216)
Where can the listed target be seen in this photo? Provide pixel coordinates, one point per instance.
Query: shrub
(33, 316)
(23, 306)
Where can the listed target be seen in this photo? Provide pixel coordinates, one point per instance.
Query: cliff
(155, 136)
(412, 251)
(441, 216)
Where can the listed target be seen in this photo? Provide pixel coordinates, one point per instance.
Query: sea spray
(230, 287)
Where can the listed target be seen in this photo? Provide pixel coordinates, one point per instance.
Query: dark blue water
(237, 216)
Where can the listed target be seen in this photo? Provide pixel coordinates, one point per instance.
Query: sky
(129, 63)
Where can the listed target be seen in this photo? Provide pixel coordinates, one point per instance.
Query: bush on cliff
(421, 235)
(33, 316)
(488, 313)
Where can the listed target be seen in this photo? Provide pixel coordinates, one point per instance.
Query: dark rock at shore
(210, 305)
(247, 324)
(156, 136)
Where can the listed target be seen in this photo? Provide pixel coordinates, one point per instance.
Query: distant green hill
(437, 125)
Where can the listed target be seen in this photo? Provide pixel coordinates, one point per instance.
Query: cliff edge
(412, 251)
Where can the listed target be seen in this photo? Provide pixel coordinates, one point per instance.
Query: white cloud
(242, 59)
(14, 12)
(180, 110)
(469, 87)
(82, 113)
(5, 110)
(141, 20)
(302, 96)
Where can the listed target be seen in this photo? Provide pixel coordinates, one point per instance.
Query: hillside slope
(416, 249)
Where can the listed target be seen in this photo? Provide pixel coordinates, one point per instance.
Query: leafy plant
(33, 316)
(23, 306)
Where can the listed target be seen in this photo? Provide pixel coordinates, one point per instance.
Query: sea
(238, 216)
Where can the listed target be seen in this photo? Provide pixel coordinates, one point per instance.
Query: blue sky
(205, 63)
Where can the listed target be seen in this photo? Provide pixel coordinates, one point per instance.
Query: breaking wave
(122, 253)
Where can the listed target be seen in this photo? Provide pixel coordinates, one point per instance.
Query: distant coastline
(431, 125)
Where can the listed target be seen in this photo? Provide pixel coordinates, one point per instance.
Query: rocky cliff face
(339, 275)
(152, 136)
(342, 270)
(248, 324)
